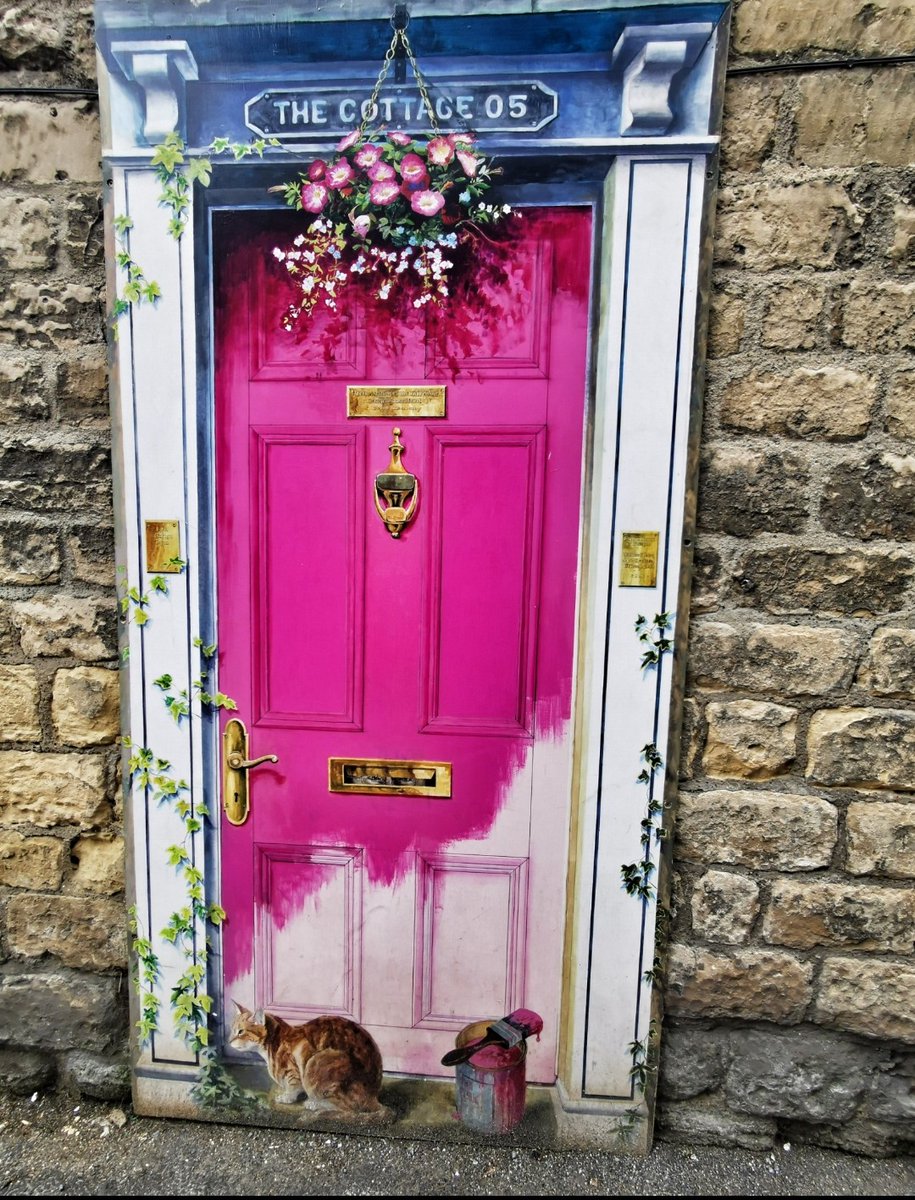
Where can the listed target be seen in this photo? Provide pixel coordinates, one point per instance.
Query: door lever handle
(238, 762)
(236, 765)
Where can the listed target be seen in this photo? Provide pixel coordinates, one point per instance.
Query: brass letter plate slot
(389, 777)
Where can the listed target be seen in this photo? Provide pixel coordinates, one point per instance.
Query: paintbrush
(509, 1031)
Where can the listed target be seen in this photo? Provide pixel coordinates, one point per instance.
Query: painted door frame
(653, 203)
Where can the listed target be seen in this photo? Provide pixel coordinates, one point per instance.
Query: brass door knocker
(396, 486)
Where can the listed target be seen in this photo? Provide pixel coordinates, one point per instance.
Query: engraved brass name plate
(406, 401)
(639, 560)
(163, 547)
(389, 777)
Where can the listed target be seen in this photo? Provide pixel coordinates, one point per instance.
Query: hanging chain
(399, 39)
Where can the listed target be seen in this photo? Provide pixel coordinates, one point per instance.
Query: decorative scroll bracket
(161, 69)
(652, 59)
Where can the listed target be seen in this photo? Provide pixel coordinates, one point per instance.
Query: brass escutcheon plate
(389, 777)
(639, 560)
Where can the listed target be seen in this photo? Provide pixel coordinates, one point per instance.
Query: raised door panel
(308, 577)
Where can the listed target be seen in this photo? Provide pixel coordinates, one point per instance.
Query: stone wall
(791, 991)
(62, 940)
(791, 987)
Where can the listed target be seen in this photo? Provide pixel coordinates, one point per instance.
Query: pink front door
(412, 914)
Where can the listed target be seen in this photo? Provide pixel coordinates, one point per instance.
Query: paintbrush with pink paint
(509, 1031)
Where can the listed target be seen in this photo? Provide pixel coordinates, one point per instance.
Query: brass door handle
(238, 762)
(236, 765)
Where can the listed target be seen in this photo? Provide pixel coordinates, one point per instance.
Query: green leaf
(158, 584)
(140, 617)
(122, 224)
(151, 291)
(132, 293)
(216, 914)
(200, 170)
(164, 682)
(168, 155)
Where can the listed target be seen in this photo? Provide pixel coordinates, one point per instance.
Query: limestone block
(848, 119)
(790, 660)
(866, 26)
(81, 932)
(749, 739)
(832, 403)
(752, 985)
(52, 789)
(801, 1074)
(879, 316)
(876, 999)
(798, 579)
(724, 907)
(101, 864)
(102, 1076)
(19, 705)
(769, 226)
(22, 390)
(727, 317)
(792, 314)
(62, 1010)
(693, 1060)
(900, 405)
(773, 831)
(862, 747)
(85, 233)
(91, 549)
(750, 117)
(707, 1121)
(39, 478)
(30, 33)
(43, 142)
(690, 738)
(39, 315)
(902, 249)
(66, 626)
(27, 233)
(23, 1071)
(881, 840)
(28, 555)
(893, 1091)
(871, 498)
(708, 584)
(744, 492)
(808, 913)
(85, 706)
(889, 669)
(82, 387)
(31, 862)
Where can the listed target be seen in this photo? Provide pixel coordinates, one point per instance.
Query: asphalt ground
(52, 1145)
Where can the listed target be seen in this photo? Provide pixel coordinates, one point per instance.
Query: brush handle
(510, 1031)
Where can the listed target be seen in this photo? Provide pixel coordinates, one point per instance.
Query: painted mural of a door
(452, 644)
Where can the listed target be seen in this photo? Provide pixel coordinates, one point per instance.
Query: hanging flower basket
(403, 214)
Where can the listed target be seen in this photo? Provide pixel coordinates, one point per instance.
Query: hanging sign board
(503, 106)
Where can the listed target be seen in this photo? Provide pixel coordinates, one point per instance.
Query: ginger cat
(334, 1061)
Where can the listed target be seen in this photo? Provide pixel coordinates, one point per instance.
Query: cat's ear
(271, 1022)
(241, 1008)
(258, 1017)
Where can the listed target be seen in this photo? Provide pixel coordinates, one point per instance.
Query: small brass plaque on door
(406, 401)
(639, 560)
(389, 776)
(163, 547)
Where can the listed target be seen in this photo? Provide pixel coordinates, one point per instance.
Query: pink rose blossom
(381, 172)
(462, 139)
(427, 203)
(383, 192)
(349, 140)
(440, 151)
(413, 169)
(469, 163)
(367, 156)
(317, 169)
(314, 197)
(400, 139)
(339, 174)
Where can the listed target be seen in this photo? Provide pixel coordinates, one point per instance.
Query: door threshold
(419, 1108)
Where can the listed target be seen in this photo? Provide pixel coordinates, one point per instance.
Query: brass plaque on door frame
(163, 547)
(403, 401)
(639, 559)
(389, 777)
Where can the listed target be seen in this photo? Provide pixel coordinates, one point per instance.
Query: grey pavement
(54, 1145)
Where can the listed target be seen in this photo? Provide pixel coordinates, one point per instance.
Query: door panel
(414, 914)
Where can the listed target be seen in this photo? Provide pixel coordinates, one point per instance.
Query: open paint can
(491, 1085)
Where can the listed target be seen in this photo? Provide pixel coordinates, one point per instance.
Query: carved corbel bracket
(161, 69)
(652, 60)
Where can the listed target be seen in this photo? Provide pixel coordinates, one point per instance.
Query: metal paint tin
(491, 1086)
